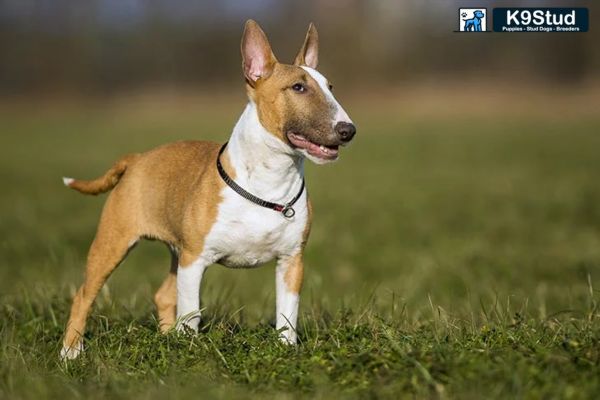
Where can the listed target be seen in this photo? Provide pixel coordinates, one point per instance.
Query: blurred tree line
(101, 46)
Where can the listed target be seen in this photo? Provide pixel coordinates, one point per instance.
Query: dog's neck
(262, 163)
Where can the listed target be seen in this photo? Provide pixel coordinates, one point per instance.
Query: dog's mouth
(321, 151)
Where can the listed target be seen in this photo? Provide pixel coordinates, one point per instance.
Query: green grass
(450, 258)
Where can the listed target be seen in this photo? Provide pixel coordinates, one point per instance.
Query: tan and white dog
(176, 194)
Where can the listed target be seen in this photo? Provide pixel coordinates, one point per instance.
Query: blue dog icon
(474, 24)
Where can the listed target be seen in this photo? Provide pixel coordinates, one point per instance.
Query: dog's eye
(298, 87)
(330, 86)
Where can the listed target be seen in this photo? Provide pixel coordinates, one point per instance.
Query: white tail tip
(67, 181)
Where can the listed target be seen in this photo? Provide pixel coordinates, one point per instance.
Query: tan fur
(280, 109)
(166, 297)
(294, 274)
(255, 42)
(106, 181)
(309, 52)
(171, 194)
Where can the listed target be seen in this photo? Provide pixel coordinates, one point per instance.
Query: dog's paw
(288, 336)
(71, 353)
(188, 323)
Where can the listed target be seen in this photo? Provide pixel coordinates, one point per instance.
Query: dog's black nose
(345, 131)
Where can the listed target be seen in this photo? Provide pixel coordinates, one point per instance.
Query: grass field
(451, 257)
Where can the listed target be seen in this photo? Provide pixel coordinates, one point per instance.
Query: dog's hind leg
(166, 297)
(111, 244)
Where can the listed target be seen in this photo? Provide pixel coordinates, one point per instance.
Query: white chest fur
(246, 234)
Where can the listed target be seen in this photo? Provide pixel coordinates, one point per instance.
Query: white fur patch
(189, 279)
(245, 234)
(286, 307)
(67, 181)
(340, 115)
(71, 353)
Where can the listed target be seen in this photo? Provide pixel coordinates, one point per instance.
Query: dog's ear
(309, 53)
(258, 59)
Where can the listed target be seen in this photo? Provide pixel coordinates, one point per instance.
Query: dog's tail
(104, 183)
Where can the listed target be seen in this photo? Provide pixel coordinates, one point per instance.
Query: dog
(474, 24)
(240, 204)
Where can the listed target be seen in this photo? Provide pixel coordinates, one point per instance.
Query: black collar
(285, 209)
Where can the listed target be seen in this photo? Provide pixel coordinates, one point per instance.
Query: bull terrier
(239, 204)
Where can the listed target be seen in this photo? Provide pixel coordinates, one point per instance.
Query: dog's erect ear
(258, 59)
(309, 53)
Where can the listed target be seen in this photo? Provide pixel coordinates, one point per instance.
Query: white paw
(71, 353)
(288, 336)
(188, 323)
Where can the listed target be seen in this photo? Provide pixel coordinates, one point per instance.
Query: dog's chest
(246, 235)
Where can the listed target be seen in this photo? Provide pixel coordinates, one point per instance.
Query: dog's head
(295, 102)
(478, 14)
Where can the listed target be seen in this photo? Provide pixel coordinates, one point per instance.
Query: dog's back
(155, 190)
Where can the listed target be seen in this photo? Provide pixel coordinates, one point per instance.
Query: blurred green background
(455, 249)
(105, 46)
(474, 175)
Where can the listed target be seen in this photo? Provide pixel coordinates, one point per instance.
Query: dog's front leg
(288, 279)
(189, 278)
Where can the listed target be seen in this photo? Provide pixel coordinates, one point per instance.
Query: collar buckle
(288, 212)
